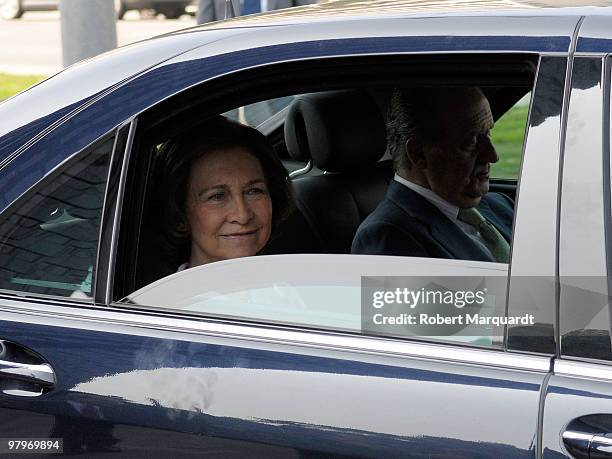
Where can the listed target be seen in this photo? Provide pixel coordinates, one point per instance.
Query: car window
(49, 237)
(344, 292)
(195, 252)
(258, 113)
(508, 135)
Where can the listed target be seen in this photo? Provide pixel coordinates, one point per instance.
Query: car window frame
(545, 133)
(112, 301)
(111, 212)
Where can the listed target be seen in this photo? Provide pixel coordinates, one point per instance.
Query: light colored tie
(495, 242)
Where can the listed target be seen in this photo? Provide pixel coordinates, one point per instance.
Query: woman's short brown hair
(176, 157)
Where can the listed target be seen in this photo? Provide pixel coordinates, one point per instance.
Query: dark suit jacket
(405, 223)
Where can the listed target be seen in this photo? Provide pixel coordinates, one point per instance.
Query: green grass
(12, 84)
(507, 137)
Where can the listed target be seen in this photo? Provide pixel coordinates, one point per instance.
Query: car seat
(343, 132)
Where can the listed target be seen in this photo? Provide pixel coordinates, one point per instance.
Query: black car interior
(335, 129)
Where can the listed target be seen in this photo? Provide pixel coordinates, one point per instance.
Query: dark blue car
(106, 347)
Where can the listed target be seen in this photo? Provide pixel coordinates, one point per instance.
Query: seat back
(343, 132)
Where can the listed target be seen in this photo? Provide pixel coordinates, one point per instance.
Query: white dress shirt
(448, 209)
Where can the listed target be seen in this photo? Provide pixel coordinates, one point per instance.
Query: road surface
(32, 45)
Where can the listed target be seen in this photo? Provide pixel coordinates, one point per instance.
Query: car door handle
(582, 445)
(577, 443)
(601, 447)
(40, 374)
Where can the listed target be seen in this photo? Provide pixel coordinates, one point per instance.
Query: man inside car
(438, 204)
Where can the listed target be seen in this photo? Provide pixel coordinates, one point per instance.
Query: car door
(578, 406)
(108, 376)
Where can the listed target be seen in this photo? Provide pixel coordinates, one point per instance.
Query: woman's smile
(240, 235)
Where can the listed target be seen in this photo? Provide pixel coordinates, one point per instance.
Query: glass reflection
(584, 305)
(533, 268)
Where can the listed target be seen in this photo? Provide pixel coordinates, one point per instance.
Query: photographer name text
(438, 319)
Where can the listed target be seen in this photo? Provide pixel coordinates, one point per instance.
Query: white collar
(448, 209)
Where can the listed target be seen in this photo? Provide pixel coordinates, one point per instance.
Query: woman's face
(229, 209)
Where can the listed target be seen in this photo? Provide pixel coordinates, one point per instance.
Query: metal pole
(89, 27)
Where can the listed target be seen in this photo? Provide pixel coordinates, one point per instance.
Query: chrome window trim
(563, 137)
(38, 297)
(606, 116)
(541, 405)
(118, 208)
(554, 54)
(585, 54)
(108, 201)
(284, 336)
(581, 369)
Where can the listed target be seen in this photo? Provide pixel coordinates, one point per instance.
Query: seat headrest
(340, 130)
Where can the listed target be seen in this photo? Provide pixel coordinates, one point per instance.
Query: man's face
(458, 164)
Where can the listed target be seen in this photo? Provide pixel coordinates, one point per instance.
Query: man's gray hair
(415, 113)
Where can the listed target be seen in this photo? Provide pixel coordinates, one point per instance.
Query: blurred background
(31, 36)
(39, 38)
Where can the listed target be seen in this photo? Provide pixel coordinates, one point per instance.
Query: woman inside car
(226, 192)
